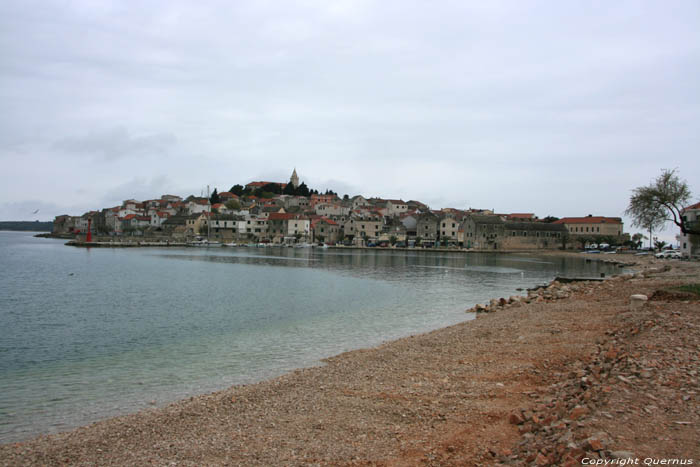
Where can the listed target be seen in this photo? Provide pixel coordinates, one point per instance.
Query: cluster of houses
(330, 219)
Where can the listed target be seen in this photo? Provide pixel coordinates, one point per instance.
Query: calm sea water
(90, 333)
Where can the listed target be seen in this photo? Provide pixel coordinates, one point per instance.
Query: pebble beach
(570, 372)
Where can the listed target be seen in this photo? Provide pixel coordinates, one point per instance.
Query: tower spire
(294, 179)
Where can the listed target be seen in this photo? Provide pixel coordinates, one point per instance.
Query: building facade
(690, 243)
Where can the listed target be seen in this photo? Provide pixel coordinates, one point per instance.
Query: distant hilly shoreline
(33, 226)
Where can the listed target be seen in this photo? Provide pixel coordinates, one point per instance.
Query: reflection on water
(92, 333)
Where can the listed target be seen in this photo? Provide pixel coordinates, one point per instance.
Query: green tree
(550, 219)
(289, 190)
(637, 239)
(393, 240)
(237, 190)
(659, 244)
(261, 193)
(233, 205)
(303, 190)
(215, 199)
(274, 188)
(583, 240)
(661, 201)
(649, 219)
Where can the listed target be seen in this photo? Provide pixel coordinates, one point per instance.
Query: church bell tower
(294, 179)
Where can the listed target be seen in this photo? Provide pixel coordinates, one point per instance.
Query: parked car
(668, 254)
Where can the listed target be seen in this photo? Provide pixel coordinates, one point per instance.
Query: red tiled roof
(217, 205)
(589, 220)
(692, 206)
(262, 184)
(227, 194)
(521, 215)
(326, 220)
(128, 217)
(280, 216)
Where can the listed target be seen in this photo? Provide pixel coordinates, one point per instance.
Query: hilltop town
(290, 213)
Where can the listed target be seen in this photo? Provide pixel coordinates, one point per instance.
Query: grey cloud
(116, 143)
(47, 211)
(139, 188)
(553, 107)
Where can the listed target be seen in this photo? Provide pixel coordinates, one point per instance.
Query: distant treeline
(35, 226)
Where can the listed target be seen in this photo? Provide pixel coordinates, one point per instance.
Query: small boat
(230, 244)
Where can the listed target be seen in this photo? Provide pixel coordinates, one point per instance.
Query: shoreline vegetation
(26, 226)
(569, 372)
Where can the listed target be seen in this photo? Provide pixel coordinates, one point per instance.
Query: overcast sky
(556, 108)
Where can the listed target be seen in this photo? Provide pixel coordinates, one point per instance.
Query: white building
(331, 209)
(691, 215)
(396, 207)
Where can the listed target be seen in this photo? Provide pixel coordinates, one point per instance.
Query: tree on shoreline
(662, 201)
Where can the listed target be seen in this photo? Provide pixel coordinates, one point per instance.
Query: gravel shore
(571, 374)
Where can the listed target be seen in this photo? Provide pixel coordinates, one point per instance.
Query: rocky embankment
(569, 373)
